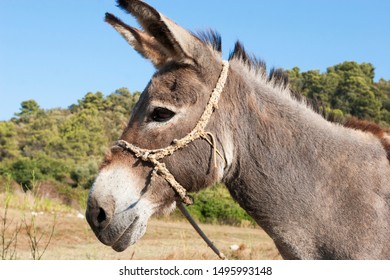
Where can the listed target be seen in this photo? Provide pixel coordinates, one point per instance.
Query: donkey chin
(117, 213)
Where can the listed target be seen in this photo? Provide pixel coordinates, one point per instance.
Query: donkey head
(122, 198)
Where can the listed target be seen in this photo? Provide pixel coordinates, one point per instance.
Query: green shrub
(84, 174)
(215, 205)
(24, 170)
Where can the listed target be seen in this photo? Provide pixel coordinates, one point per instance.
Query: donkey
(320, 190)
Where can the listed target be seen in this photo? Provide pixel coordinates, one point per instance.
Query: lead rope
(186, 214)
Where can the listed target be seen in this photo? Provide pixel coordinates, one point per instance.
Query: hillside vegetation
(60, 149)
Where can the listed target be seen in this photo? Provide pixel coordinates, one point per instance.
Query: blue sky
(55, 51)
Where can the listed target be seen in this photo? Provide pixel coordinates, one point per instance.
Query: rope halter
(153, 156)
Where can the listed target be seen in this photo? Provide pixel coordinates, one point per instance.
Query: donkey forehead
(178, 85)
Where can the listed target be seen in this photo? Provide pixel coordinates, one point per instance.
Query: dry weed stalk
(8, 234)
(34, 235)
(10, 230)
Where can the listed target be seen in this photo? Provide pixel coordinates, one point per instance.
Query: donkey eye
(162, 114)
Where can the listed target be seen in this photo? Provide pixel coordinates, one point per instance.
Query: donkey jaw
(117, 210)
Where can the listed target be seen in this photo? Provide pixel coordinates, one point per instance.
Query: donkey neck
(281, 150)
(271, 127)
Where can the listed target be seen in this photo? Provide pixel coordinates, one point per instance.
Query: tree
(27, 108)
(347, 88)
(84, 174)
(355, 93)
(24, 171)
(82, 135)
(92, 101)
(8, 142)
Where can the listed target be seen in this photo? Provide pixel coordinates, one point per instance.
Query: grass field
(164, 239)
(30, 220)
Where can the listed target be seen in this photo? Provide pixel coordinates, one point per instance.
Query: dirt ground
(165, 239)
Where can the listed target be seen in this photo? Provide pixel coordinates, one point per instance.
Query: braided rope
(153, 156)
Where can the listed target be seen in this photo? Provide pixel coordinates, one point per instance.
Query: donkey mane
(373, 128)
(277, 76)
(212, 38)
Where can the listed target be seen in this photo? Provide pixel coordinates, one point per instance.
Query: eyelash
(161, 114)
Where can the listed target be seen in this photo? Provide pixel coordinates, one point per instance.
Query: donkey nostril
(100, 213)
(101, 216)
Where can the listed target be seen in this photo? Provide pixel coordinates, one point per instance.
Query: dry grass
(165, 240)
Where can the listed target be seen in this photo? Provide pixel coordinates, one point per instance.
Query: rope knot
(145, 156)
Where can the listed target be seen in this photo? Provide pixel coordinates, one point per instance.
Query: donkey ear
(145, 44)
(179, 42)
